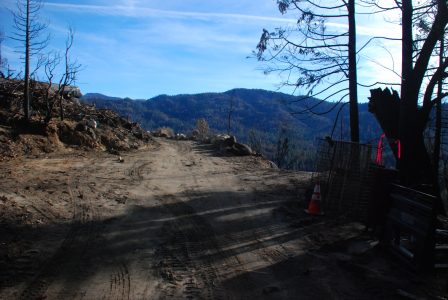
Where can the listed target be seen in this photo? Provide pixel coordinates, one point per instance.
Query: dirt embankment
(52, 128)
(175, 221)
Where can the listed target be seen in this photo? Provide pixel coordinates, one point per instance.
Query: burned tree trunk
(385, 106)
(406, 142)
(414, 164)
(352, 73)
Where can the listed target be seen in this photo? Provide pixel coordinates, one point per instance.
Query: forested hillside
(254, 114)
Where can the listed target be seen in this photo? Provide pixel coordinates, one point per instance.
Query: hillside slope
(259, 110)
(81, 126)
(264, 113)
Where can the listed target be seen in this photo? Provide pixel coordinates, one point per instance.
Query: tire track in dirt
(120, 277)
(183, 148)
(182, 273)
(136, 171)
(188, 238)
(120, 282)
(180, 256)
(74, 245)
(190, 257)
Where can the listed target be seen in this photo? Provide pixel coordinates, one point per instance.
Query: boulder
(272, 164)
(164, 132)
(181, 137)
(218, 139)
(72, 91)
(241, 149)
(228, 142)
(85, 125)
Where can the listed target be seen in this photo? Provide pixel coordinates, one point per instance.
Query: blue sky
(140, 49)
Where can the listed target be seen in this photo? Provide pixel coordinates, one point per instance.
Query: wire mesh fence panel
(344, 171)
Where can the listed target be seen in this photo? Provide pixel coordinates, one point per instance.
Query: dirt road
(174, 221)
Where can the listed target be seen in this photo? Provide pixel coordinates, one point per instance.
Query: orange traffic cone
(314, 206)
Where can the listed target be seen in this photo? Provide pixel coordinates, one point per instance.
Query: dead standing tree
(404, 118)
(423, 18)
(71, 70)
(438, 120)
(55, 93)
(28, 32)
(311, 55)
(53, 60)
(3, 61)
(401, 117)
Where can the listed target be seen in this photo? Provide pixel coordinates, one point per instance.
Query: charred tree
(28, 32)
(352, 74)
(438, 121)
(51, 63)
(71, 71)
(417, 98)
(3, 62)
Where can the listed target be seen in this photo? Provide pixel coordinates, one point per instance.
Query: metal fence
(345, 173)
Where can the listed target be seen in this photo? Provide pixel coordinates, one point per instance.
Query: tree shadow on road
(178, 238)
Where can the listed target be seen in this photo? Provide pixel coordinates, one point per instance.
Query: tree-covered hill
(255, 114)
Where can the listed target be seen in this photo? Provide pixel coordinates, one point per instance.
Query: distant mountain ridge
(89, 96)
(255, 112)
